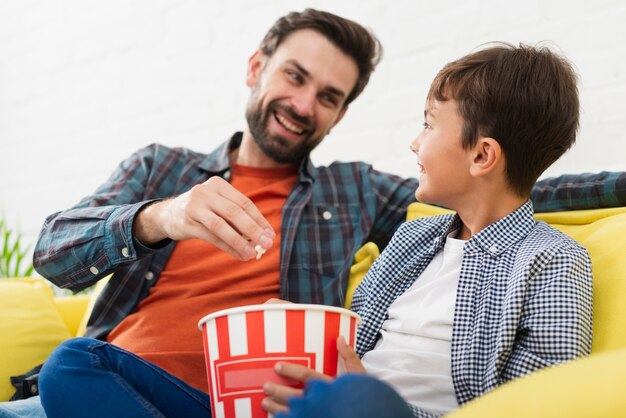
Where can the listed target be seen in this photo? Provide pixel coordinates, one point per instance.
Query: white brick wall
(84, 83)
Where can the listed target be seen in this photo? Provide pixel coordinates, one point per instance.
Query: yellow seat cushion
(590, 387)
(30, 329)
(72, 309)
(363, 260)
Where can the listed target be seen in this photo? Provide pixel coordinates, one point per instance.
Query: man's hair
(524, 97)
(350, 37)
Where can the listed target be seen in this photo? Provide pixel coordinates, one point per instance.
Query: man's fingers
(238, 212)
(243, 202)
(240, 221)
(271, 301)
(349, 356)
(244, 254)
(215, 230)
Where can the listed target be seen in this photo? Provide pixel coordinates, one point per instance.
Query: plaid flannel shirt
(79, 246)
(330, 213)
(524, 297)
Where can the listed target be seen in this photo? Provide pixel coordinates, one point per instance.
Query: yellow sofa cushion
(363, 260)
(590, 387)
(30, 329)
(73, 310)
(602, 232)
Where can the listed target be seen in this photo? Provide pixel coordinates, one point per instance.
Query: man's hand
(213, 211)
(278, 394)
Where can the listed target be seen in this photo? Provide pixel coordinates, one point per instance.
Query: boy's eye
(426, 125)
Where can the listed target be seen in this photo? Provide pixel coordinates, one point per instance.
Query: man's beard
(278, 148)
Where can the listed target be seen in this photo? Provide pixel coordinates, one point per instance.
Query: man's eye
(426, 125)
(294, 76)
(329, 98)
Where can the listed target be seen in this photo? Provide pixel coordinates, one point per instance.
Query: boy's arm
(580, 191)
(556, 323)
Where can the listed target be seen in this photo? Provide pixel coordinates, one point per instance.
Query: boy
(459, 304)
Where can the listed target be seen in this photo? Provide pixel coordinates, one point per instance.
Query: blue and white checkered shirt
(524, 298)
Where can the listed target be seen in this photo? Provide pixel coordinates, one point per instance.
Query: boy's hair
(350, 37)
(524, 97)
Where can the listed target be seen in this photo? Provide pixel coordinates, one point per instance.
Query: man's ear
(486, 157)
(255, 66)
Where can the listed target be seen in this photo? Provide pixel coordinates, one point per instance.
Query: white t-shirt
(413, 352)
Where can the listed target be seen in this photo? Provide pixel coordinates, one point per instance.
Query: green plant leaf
(13, 253)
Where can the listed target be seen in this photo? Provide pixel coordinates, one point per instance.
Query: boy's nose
(415, 145)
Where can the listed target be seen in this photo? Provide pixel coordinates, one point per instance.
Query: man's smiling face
(298, 94)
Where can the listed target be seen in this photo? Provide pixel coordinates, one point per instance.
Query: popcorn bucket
(241, 346)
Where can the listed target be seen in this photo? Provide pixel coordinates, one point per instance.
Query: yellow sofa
(33, 323)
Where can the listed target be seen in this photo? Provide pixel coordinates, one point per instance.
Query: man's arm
(580, 191)
(130, 217)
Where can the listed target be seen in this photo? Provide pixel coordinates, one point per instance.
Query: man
(174, 260)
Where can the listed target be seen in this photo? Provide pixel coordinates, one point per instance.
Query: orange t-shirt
(200, 279)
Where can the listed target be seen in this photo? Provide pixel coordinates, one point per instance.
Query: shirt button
(227, 175)
(125, 252)
(327, 215)
(493, 249)
(94, 270)
(149, 275)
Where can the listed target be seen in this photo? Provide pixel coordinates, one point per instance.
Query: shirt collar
(497, 237)
(500, 236)
(218, 161)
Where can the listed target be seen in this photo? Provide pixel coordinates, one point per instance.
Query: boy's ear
(255, 65)
(486, 157)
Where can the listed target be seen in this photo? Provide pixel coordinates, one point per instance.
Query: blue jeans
(84, 377)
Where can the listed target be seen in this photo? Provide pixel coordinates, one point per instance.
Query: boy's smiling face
(444, 176)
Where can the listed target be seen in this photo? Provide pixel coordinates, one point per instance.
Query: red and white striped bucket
(241, 346)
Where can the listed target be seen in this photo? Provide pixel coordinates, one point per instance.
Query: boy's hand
(278, 395)
(350, 358)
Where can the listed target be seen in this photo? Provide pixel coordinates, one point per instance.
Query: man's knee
(68, 354)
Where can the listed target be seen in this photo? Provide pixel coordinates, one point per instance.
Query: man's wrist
(146, 226)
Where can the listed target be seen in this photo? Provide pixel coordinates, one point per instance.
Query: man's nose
(304, 102)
